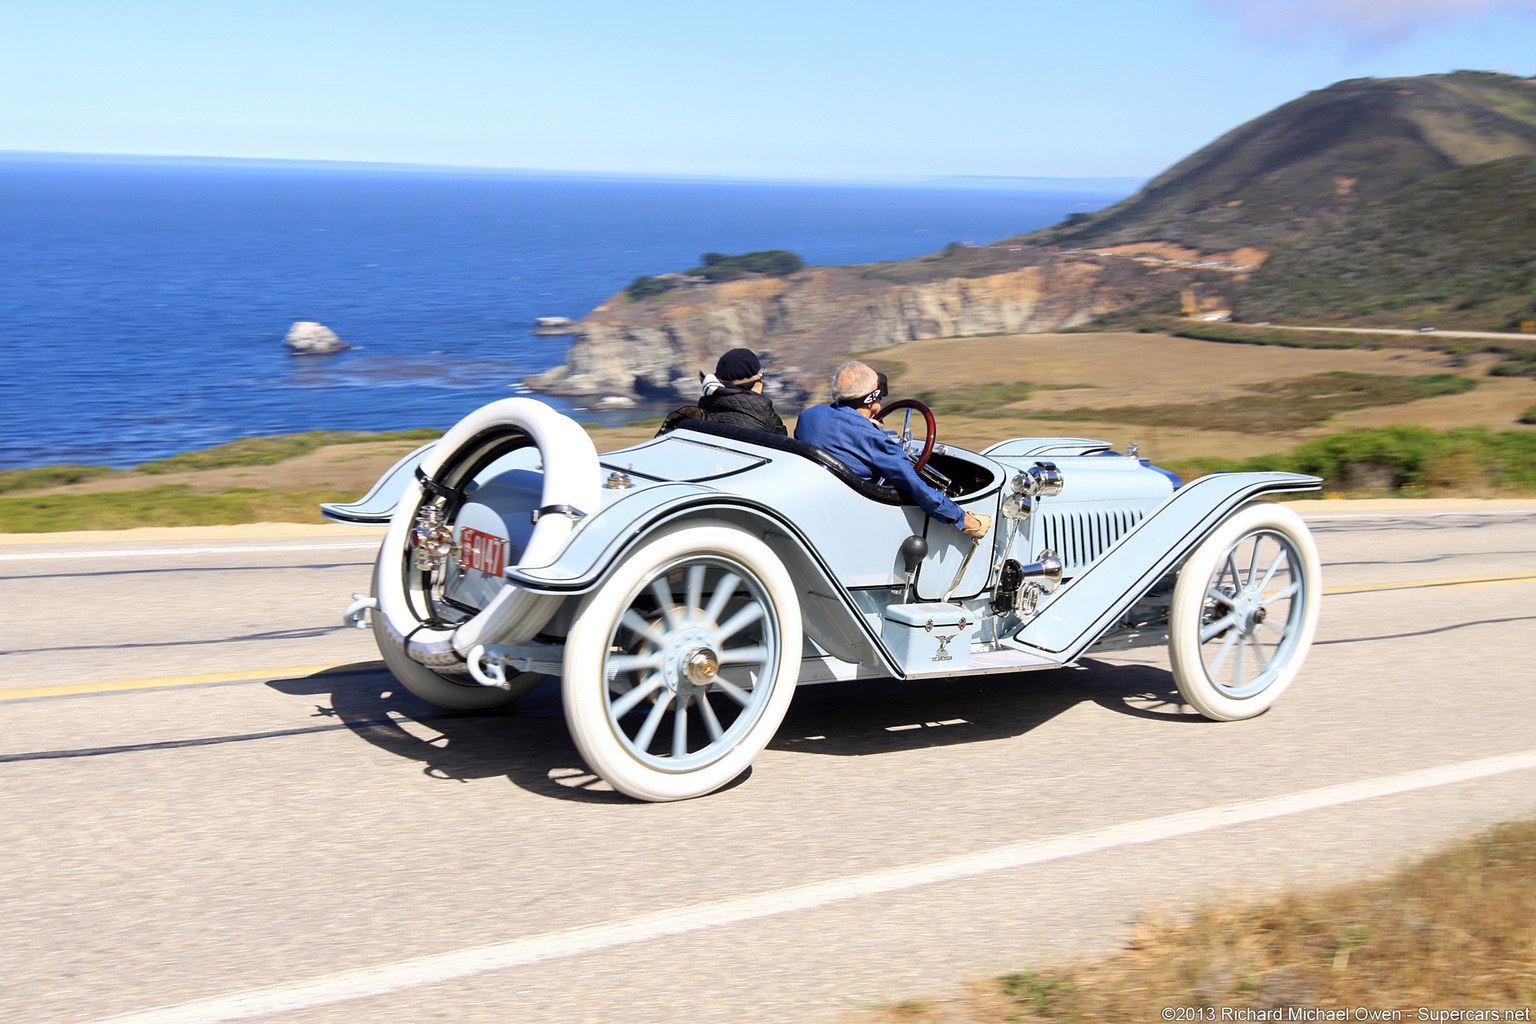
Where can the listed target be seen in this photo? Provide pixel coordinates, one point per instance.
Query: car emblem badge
(942, 654)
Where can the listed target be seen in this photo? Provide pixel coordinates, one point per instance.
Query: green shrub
(1515, 364)
(1529, 416)
(1406, 456)
(1248, 336)
(768, 262)
(645, 287)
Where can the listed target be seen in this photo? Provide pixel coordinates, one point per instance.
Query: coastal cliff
(1339, 185)
(801, 324)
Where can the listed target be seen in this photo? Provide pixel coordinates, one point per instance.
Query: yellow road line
(170, 681)
(1465, 581)
(306, 670)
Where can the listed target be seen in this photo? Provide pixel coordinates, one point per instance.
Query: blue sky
(836, 89)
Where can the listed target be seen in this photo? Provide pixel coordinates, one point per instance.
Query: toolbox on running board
(929, 637)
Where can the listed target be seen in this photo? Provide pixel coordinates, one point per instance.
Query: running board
(828, 669)
(988, 663)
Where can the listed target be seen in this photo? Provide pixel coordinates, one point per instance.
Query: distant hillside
(1464, 241)
(1314, 160)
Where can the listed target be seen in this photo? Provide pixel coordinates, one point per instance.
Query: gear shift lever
(913, 550)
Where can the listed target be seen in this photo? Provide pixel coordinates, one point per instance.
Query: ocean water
(143, 306)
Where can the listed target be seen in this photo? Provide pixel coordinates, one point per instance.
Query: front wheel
(679, 669)
(1244, 613)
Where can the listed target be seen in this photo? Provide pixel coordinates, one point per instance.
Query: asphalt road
(306, 846)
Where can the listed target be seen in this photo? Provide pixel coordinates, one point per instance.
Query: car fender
(377, 506)
(602, 540)
(1091, 602)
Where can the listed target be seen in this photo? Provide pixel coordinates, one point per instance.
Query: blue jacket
(872, 453)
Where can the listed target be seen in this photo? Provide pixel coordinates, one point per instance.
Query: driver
(845, 428)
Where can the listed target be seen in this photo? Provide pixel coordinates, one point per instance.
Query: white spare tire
(410, 634)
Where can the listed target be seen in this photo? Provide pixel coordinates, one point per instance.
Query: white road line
(383, 979)
(1424, 515)
(145, 552)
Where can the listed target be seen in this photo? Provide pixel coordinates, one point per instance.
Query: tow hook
(356, 614)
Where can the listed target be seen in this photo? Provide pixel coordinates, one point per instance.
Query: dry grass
(1287, 406)
(985, 389)
(1455, 930)
(166, 505)
(225, 485)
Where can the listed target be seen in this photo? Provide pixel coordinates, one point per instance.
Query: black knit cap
(738, 366)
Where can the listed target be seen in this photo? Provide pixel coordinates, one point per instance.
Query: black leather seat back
(875, 492)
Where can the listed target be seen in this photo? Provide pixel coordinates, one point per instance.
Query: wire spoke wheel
(681, 666)
(688, 665)
(1244, 613)
(1253, 614)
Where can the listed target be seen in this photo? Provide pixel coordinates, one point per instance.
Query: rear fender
(1087, 606)
(376, 507)
(832, 619)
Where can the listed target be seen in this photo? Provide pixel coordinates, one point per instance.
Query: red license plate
(482, 552)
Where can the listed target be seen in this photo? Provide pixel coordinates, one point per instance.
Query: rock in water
(555, 325)
(307, 338)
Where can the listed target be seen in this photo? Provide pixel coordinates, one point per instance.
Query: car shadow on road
(527, 742)
(878, 716)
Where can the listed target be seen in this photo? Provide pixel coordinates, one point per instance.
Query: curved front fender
(1080, 612)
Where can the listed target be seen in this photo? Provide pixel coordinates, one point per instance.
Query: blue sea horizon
(143, 303)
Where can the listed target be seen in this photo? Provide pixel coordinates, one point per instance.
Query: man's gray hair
(853, 379)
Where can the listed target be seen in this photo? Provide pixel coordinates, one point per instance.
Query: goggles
(882, 388)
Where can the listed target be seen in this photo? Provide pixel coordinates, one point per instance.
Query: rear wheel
(1244, 613)
(680, 668)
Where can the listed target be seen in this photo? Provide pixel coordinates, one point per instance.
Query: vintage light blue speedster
(683, 587)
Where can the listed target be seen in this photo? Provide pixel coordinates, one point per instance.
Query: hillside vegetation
(1315, 159)
(718, 268)
(1406, 459)
(1463, 240)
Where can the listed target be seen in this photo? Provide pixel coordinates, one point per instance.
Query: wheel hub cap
(702, 666)
(690, 663)
(1248, 612)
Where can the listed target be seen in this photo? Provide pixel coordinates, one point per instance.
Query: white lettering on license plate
(482, 552)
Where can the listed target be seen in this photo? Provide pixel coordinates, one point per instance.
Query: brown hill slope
(1315, 159)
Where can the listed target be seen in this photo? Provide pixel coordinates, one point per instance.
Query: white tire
(1244, 612)
(698, 631)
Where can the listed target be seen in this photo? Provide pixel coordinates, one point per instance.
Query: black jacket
(741, 408)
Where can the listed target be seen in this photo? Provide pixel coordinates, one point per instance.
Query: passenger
(676, 416)
(846, 428)
(733, 394)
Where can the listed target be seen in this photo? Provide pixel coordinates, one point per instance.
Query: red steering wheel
(906, 436)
